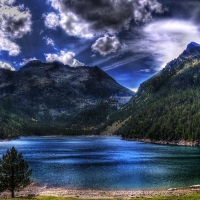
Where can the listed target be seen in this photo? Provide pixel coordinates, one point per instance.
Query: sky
(131, 40)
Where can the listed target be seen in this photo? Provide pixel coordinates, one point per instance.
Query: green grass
(193, 196)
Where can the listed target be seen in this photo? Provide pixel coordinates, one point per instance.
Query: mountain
(53, 98)
(167, 106)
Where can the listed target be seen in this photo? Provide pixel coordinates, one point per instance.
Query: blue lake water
(107, 163)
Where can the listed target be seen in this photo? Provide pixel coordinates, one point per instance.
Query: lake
(107, 163)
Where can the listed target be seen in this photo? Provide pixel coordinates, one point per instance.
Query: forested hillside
(167, 106)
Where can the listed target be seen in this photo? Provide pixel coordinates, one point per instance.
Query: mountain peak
(33, 63)
(193, 49)
(193, 45)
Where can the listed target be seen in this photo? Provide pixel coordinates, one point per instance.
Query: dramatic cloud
(106, 45)
(86, 18)
(143, 9)
(66, 58)
(161, 40)
(49, 41)
(169, 38)
(15, 22)
(6, 66)
(51, 20)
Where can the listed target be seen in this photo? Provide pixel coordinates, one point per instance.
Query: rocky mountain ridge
(46, 95)
(189, 57)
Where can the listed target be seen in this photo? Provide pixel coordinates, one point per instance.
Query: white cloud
(67, 58)
(124, 61)
(87, 18)
(15, 22)
(49, 41)
(51, 20)
(74, 25)
(6, 66)
(145, 70)
(162, 40)
(7, 2)
(169, 38)
(106, 45)
(8, 45)
(25, 61)
(142, 14)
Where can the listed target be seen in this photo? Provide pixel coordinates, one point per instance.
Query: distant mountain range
(167, 106)
(52, 98)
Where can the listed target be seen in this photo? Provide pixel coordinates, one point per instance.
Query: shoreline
(34, 190)
(159, 142)
(164, 142)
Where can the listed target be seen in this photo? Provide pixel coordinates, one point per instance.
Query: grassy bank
(193, 196)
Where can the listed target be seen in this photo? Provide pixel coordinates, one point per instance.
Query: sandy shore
(35, 190)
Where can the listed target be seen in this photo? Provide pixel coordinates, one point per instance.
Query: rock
(172, 189)
(195, 186)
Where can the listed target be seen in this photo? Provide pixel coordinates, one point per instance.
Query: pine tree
(14, 172)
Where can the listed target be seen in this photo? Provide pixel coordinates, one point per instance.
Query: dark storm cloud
(103, 15)
(86, 18)
(106, 45)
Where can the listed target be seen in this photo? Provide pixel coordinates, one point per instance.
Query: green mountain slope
(167, 106)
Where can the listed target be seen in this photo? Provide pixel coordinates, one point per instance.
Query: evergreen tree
(14, 172)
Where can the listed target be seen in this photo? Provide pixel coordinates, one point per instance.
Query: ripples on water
(107, 163)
